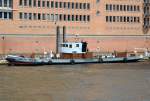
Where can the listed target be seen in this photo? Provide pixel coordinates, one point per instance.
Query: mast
(57, 39)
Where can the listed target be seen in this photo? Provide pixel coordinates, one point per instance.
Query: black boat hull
(21, 61)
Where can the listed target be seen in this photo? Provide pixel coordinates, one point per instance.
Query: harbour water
(87, 82)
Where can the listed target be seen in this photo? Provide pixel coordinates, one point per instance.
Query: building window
(48, 17)
(131, 8)
(48, 4)
(77, 6)
(30, 16)
(43, 17)
(88, 5)
(110, 7)
(10, 3)
(43, 3)
(10, 15)
(34, 16)
(117, 7)
(84, 6)
(68, 5)
(124, 19)
(72, 17)
(56, 4)
(5, 3)
(0, 3)
(107, 7)
(5, 15)
(117, 18)
(72, 5)
(124, 7)
(60, 4)
(138, 19)
(52, 17)
(25, 2)
(30, 3)
(56, 17)
(77, 18)
(121, 8)
(80, 5)
(0, 14)
(114, 7)
(20, 2)
(39, 16)
(64, 17)
(131, 19)
(52, 4)
(121, 19)
(20, 15)
(88, 18)
(128, 19)
(110, 18)
(138, 8)
(60, 17)
(80, 18)
(34, 3)
(107, 19)
(114, 19)
(69, 18)
(128, 8)
(84, 18)
(25, 16)
(39, 3)
(64, 4)
(134, 8)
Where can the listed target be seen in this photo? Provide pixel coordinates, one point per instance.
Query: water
(88, 82)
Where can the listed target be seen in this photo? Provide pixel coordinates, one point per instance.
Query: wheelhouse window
(77, 45)
(70, 46)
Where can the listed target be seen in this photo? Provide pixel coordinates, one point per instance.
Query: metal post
(57, 39)
(64, 33)
(3, 45)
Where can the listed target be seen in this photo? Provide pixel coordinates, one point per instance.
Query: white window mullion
(2, 3)
(7, 3)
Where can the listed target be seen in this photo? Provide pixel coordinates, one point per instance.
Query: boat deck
(93, 60)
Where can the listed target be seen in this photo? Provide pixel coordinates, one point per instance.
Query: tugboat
(71, 53)
(77, 53)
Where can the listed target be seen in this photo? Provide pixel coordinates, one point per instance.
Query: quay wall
(28, 45)
(106, 25)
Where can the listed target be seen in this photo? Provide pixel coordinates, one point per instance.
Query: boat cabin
(73, 47)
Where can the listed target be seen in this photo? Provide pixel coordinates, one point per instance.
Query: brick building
(28, 26)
